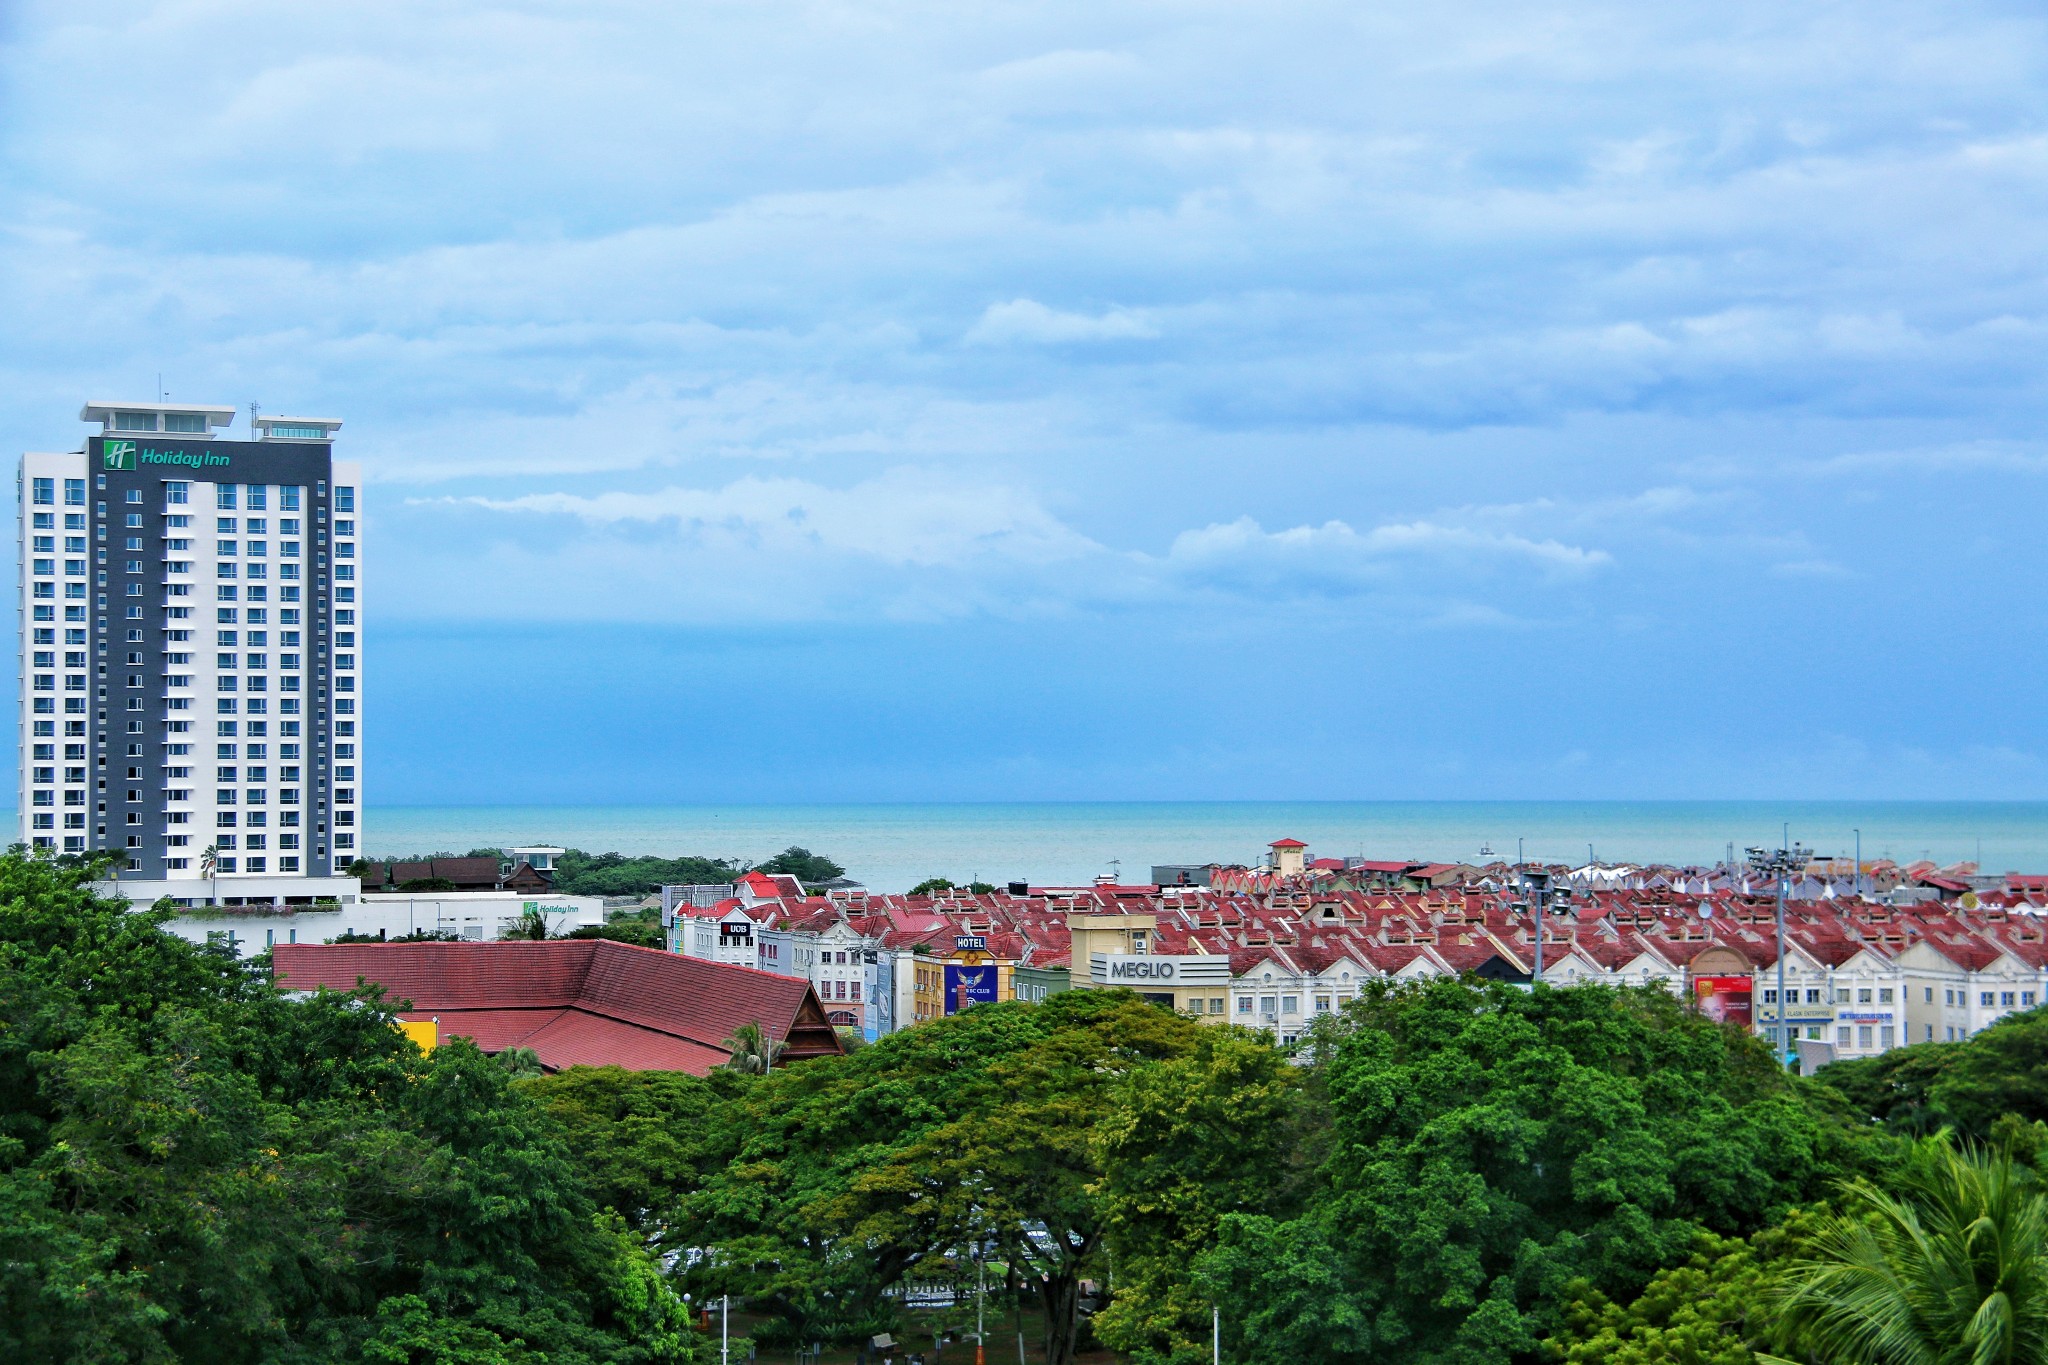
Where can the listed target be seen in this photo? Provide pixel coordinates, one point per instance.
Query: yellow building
(949, 980)
(1111, 951)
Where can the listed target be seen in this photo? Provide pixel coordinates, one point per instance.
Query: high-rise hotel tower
(191, 621)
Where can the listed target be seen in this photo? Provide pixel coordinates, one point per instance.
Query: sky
(1131, 399)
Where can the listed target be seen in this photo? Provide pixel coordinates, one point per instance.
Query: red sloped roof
(571, 1000)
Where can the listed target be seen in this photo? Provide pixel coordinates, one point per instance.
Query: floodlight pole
(1779, 863)
(1784, 1005)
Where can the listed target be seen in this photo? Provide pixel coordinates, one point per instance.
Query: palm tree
(753, 1051)
(1953, 1271)
(209, 860)
(532, 923)
(521, 1061)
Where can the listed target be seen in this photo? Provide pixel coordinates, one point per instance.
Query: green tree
(2003, 1070)
(1491, 1146)
(647, 1138)
(521, 1062)
(1895, 1088)
(1226, 1129)
(931, 884)
(807, 867)
(193, 1166)
(577, 873)
(1710, 1310)
(753, 1051)
(1952, 1269)
(643, 930)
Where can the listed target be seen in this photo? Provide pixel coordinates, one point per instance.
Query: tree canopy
(195, 1167)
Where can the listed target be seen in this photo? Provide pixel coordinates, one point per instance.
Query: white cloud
(1027, 320)
(905, 518)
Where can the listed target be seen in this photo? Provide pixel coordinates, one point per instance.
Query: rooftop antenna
(253, 410)
(160, 394)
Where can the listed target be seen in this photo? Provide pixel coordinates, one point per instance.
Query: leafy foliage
(807, 867)
(1492, 1146)
(641, 929)
(1967, 1086)
(1710, 1310)
(614, 874)
(1954, 1267)
(194, 1167)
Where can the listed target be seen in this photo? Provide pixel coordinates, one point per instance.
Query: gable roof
(575, 1001)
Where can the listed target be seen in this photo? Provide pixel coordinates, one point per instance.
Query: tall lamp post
(1779, 863)
(1536, 890)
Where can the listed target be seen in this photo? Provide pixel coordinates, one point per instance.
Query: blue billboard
(969, 986)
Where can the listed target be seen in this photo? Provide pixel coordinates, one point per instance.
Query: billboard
(1724, 999)
(969, 986)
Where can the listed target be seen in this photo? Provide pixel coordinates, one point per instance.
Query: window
(2027, 999)
(344, 498)
(43, 492)
(2005, 999)
(1885, 1036)
(1863, 995)
(1985, 999)
(74, 492)
(1930, 1000)
(1842, 997)
(1770, 997)
(1244, 1004)
(184, 421)
(1884, 995)
(1842, 1036)
(1863, 1036)
(177, 494)
(135, 421)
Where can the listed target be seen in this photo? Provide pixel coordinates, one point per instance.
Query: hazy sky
(840, 401)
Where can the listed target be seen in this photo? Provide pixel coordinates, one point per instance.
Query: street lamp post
(1859, 862)
(1779, 863)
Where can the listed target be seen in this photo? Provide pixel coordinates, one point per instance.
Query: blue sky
(776, 401)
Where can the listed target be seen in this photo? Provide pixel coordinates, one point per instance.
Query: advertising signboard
(1141, 972)
(969, 986)
(1724, 999)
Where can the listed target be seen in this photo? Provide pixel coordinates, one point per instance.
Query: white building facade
(191, 649)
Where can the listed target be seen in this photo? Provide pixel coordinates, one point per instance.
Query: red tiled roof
(575, 1002)
(1287, 843)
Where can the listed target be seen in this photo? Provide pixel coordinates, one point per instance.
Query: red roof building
(575, 1002)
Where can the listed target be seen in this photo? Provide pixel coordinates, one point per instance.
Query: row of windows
(1884, 996)
(227, 497)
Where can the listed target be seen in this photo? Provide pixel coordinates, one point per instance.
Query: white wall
(480, 916)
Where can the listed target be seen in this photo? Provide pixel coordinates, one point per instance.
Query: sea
(893, 847)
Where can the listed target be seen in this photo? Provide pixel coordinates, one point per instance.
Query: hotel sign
(126, 455)
(1140, 970)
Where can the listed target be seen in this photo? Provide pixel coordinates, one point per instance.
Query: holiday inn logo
(129, 454)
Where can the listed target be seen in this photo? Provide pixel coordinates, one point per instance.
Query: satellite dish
(1706, 912)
